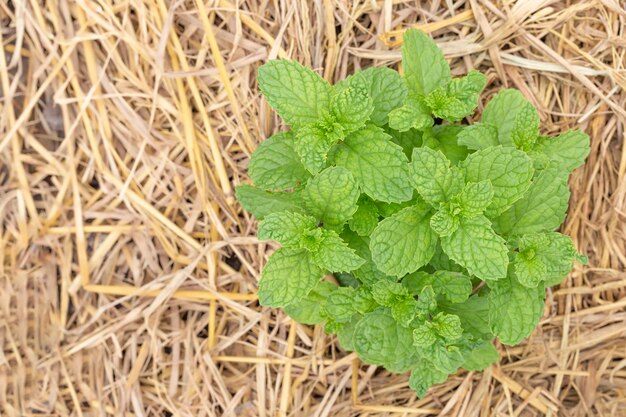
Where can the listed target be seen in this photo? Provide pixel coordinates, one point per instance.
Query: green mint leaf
(262, 203)
(368, 273)
(414, 114)
(568, 150)
(514, 310)
(334, 255)
(404, 311)
(387, 293)
(345, 334)
(544, 257)
(441, 261)
(509, 170)
(404, 242)
(365, 219)
(475, 246)
(542, 208)
(352, 108)
(425, 67)
(427, 301)
(454, 286)
(479, 136)
(475, 198)
(406, 140)
(502, 111)
(481, 357)
(288, 276)
(444, 138)
(285, 227)
(307, 309)
(444, 222)
(458, 98)
(447, 326)
(299, 95)
(433, 177)
(331, 196)
(380, 340)
(313, 143)
(379, 165)
(386, 89)
(339, 306)
(275, 165)
(424, 375)
(525, 127)
(474, 315)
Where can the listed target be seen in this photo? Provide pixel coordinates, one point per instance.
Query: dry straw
(128, 269)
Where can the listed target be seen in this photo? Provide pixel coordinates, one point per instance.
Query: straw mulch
(129, 270)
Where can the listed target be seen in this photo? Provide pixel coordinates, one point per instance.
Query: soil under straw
(128, 269)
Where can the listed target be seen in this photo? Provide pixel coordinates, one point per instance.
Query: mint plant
(416, 242)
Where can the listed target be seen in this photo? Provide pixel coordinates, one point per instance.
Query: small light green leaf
(380, 340)
(427, 301)
(481, 357)
(454, 286)
(334, 255)
(298, 95)
(475, 198)
(261, 203)
(275, 165)
(545, 257)
(525, 128)
(509, 170)
(514, 310)
(479, 136)
(385, 87)
(433, 177)
(458, 98)
(447, 326)
(312, 144)
(542, 208)
(568, 150)
(425, 67)
(443, 222)
(501, 112)
(307, 310)
(404, 242)
(331, 196)
(414, 114)
(285, 227)
(288, 276)
(386, 293)
(475, 246)
(339, 305)
(474, 315)
(424, 335)
(424, 375)
(365, 219)
(352, 108)
(379, 165)
(404, 311)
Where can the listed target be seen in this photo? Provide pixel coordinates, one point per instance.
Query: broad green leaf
(525, 128)
(433, 177)
(404, 242)
(427, 301)
(458, 98)
(404, 311)
(352, 108)
(445, 358)
(424, 375)
(475, 198)
(542, 208)
(454, 286)
(275, 165)
(509, 170)
(444, 138)
(379, 165)
(501, 112)
(288, 277)
(407, 140)
(312, 144)
(447, 326)
(331, 196)
(545, 257)
(442, 262)
(298, 95)
(414, 114)
(339, 305)
(334, 255)
(425, 67)
(475, 246)
(368, 273)
(345, 335)
(481, 357)
(474, 315)
(386, 293)
(568, 150)
(262, 203)
(385, 87)
(307, 310)
(424, 335)
(479, 136)
(380, 340)
(365, 219)
(514, 310)
(285, 227)
(444, 222)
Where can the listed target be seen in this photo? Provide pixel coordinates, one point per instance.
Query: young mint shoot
(441, 235)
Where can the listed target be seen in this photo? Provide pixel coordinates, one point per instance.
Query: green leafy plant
(415, 241)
